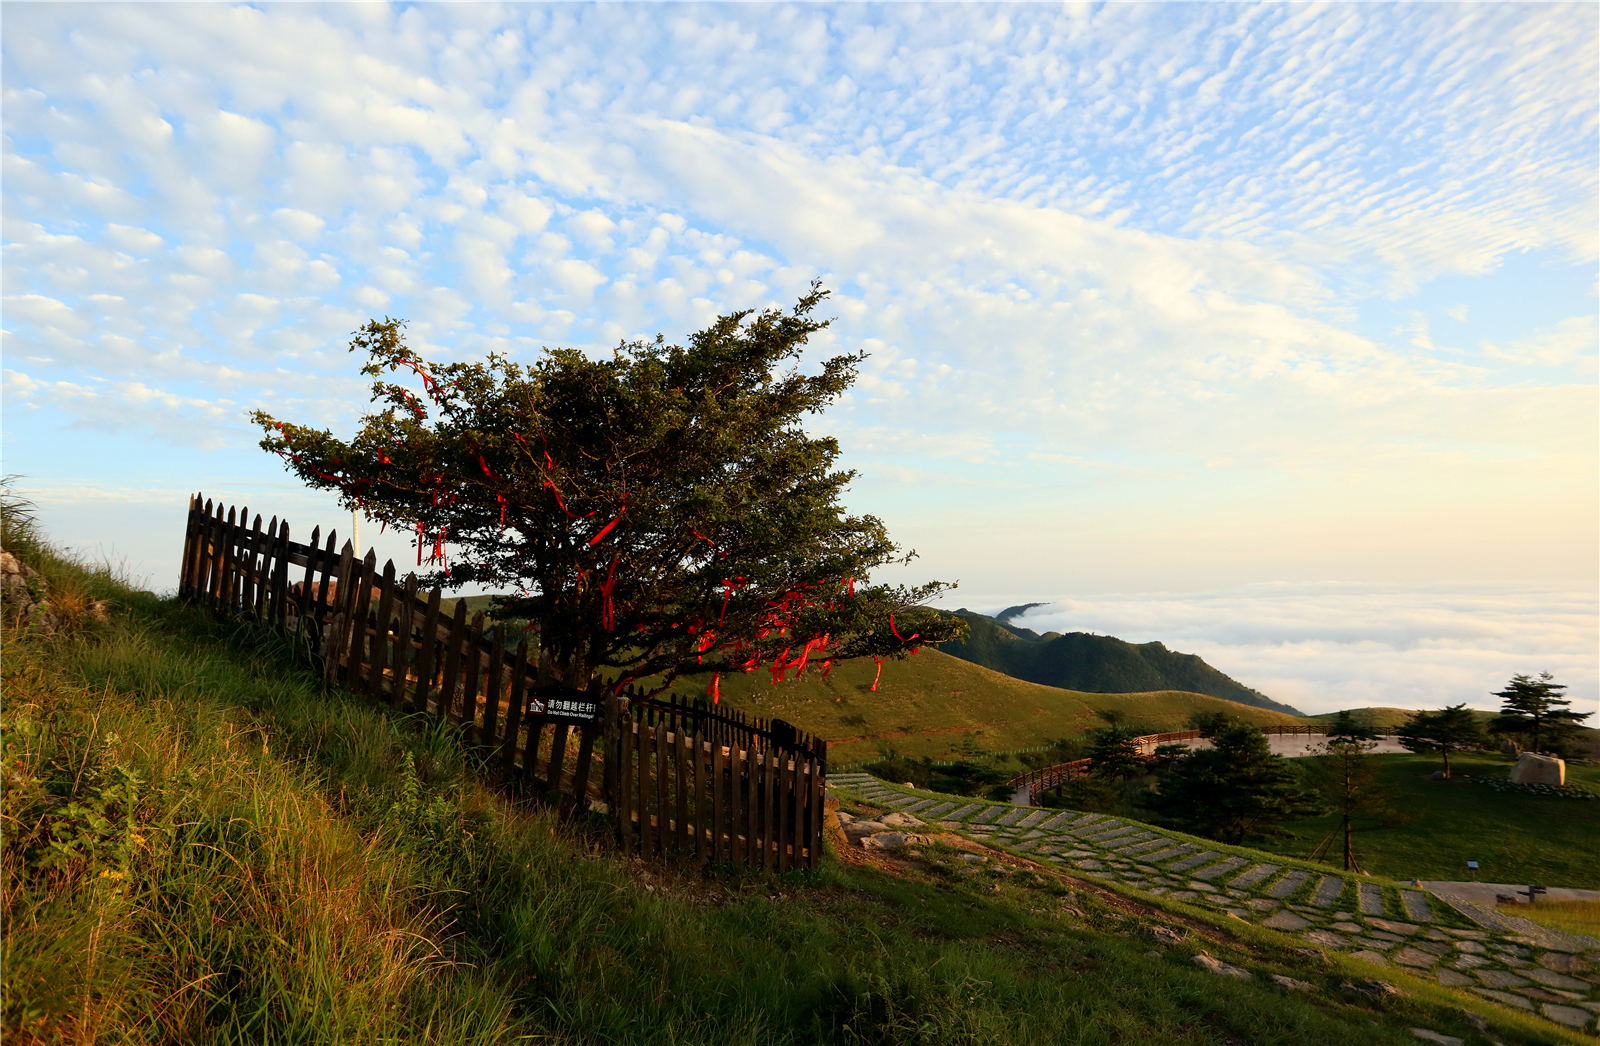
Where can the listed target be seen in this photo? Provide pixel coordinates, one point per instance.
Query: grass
(1572, 916)
(1514, 838)
(940, 706)
(204, 847)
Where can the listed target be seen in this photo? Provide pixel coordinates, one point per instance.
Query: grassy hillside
(934, 705)
(203, 847)
(1513, 837)
(1101, 664)
(937, 705)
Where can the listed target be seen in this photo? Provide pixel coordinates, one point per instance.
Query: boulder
(1539, 769)
(1217, 966)
(902, 820)
(22, 595)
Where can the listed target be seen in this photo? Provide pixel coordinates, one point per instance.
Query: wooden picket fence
(679, 777)
(713, 785)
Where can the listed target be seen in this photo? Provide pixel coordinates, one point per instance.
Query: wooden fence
(714, 785)
(678, 776)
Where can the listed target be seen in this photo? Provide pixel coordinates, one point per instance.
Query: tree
(1451, 729)
(1342, 773)
(1350, 725)
(1113, 755)
(1535, 708)
(659, 513)
(1232, 791)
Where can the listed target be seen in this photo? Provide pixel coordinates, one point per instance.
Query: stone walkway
(1461, 945)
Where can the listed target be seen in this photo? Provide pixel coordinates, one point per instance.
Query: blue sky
(1161, 298)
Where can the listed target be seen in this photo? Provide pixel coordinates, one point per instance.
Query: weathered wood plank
(514, 711)
(452, 663)
(472, 652)
(492, 688)
(427, 654)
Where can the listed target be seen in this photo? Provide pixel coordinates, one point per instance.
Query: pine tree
(1451, 729)
(1344, 775)
(1535, 708)
(1234, 790)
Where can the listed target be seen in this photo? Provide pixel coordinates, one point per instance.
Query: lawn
(1514, 838)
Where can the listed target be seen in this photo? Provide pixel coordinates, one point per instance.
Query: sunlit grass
(1572, 916)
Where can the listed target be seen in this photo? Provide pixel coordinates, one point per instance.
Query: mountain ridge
(1093, 663)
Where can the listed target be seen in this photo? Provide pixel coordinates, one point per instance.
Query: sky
(1267, 331)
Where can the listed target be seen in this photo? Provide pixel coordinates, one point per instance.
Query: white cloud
(1325, 647)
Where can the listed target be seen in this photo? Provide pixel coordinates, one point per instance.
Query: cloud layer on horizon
(1326, 647)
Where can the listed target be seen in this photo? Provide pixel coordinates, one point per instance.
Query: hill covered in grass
(1100, 664)
(206, 847)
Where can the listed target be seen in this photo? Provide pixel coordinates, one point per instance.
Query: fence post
(336, 630)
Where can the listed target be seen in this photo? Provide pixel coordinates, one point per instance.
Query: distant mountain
(1096, 664)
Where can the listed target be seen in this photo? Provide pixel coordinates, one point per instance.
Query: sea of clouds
(1323, 647)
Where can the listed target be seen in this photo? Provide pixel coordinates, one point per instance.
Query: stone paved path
(1461, 945)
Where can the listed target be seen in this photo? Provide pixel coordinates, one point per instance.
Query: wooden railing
(678, 776)
(1045, 778)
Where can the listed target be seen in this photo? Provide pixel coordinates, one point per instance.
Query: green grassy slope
(931, 704)
(203, 847)
(1514, 838)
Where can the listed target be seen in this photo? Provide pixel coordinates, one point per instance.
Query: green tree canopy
(1234, 790)
(1451, 729)
(1535, 709)
(1113, 755)
(660, 512)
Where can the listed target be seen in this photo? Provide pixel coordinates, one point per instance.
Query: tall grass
(204, 847)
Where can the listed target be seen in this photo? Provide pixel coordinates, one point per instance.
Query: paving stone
(1428, 1035)
(1110, 837)
(962, 813)
(1328, 891)
(1563, 962)
(1416, 905)
(1089, 863)
(1452, 979)
(1552, 979)
(1474, 947)
(1391, 926)
(1414, 957)
(1345, 926)
(1203, 887)
(1499, 978)
(1015, 814)
(989, 816)
(1288, 884)
(1325, 938)
(1035, 834)
(1285, 921)
(1058, 821)
(1369, 898)
(1033, 818)
(1261, 904)
(1571, 1016)
(938, 812)
(1471, 935)
(1162, 855)
(1220, 868)
(1192, 862)
(1505, 998)
(1144, 846)
(1372, 956)
(1468, 962)
(1252, 875)
(926, 804)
